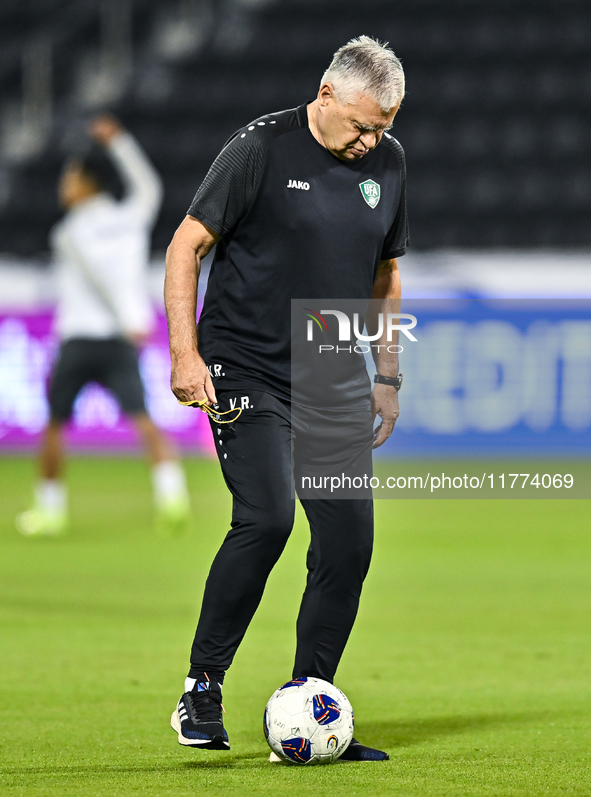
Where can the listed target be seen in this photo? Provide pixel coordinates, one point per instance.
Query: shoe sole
(215, 743)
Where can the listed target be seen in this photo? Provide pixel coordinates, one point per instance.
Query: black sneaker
(198, 718)
(359, 752)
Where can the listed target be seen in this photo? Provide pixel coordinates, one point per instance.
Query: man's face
(74, 186)
(351, 131)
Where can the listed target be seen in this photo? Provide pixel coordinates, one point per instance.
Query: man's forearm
(189, 380)
(142, 182)
(183, 265)
(385, 299)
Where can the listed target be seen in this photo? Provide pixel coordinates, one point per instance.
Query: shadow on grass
(405, 733)
(388, 735)
(393, 734)
(103, 606)
(223, 762)
(216, 761)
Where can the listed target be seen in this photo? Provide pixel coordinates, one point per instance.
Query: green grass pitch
(470, 661)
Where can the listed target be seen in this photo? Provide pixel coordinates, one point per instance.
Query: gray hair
(366, 66)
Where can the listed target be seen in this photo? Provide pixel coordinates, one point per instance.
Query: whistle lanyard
(213, 414)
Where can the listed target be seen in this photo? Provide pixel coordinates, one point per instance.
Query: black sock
(203, 675)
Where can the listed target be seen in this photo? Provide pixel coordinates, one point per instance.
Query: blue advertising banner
(502, 377)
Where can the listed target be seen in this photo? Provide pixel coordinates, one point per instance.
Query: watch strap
(392, 381)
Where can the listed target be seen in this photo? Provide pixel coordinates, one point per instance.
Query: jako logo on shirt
(299, 184)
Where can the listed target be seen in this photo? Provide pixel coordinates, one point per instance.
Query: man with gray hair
(308, 202)
(363, 66)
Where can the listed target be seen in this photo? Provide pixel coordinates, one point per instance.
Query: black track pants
(259, 455)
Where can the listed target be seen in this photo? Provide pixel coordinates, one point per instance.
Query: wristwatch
(393, 381)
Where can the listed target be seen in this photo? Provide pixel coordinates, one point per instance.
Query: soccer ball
(308, 721)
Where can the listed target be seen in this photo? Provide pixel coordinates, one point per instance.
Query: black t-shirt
(295, 222)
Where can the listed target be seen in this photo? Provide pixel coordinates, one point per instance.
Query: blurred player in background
(101, 250)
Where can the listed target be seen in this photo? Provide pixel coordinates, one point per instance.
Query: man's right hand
(190, 380)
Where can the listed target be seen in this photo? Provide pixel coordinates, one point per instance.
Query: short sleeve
(228, 190)
(397, 238)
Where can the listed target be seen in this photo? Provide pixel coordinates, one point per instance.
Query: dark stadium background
(495, 124)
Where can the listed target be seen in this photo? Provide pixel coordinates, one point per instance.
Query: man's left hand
(384, 402)
(104, 128)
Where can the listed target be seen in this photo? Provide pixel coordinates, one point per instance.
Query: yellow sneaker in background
(172, 517)
(42, 523)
